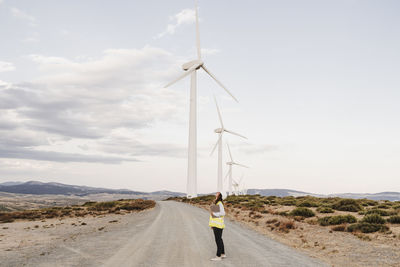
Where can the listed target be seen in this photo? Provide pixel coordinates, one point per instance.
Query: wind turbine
(236, 185)
(221, 131)
(191, 68)
(229, 174)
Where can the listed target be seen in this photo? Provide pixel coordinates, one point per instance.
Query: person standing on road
(216, 223)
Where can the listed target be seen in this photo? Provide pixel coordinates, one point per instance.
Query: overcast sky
(82, 98)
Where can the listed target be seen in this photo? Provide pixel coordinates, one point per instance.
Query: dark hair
(219, 198)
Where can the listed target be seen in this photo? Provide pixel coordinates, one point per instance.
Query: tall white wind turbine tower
(229, 174)
(221, 131)
(191, 68)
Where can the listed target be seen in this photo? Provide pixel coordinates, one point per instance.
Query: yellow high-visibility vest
(217, 222)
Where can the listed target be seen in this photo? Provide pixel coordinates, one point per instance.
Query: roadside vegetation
(89, 208)
(353, 215)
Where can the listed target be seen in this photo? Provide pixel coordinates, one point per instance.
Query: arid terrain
(334, 231)
(107, 234)
(340, 232)
(18, 202)
(29, 235)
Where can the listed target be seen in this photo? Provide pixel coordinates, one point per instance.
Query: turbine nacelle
(197, 63)
(219, 130)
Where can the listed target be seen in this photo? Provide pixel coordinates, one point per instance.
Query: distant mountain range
(40, 188)
(392, 196)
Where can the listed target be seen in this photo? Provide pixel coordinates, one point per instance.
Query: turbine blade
(189, 71)
(216, 144)
(241, 165)
(197, 33)
(230, 154)
(219, 113)
(235, 133)
(220, 84)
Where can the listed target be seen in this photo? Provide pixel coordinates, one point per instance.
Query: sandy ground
(332, 247)
(171, 234)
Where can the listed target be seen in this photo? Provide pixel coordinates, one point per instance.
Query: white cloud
(16, 164)
(17, 13)
(88, 103)
(4, 85)
(184, 17)
(6, 66)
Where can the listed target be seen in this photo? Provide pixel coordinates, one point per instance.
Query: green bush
(394, 219)
(307, 203)
(365, 227)
(335, 220)
(303, 212)
(380, 212)
(373, 218)
(368, 202)
(347, 204)
(325, 210)
(288, 202)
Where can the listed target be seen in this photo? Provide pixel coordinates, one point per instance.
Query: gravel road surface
(178, 235)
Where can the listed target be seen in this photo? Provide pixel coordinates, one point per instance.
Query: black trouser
(218, 240)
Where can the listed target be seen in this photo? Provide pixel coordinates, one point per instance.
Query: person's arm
(221, 211)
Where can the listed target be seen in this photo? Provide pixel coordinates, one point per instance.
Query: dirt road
(178, 235)
(171, 234)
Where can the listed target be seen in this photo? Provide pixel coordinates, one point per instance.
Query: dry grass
(89, 208)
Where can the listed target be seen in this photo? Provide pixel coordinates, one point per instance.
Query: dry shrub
(373, 218)
(93, 208)
(286, 226)
(257, 216)
(365, 227)
(298, 218)
(271, 221)
(312, 221)
(303, 212)
(362, 236)
(349, 204)
(394, 219)
(325, 210)
(335, 220)
(340, 228)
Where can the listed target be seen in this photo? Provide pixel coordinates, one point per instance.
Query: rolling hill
(40, 188)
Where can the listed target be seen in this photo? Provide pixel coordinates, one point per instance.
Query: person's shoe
(216, 259)
(223, 256)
